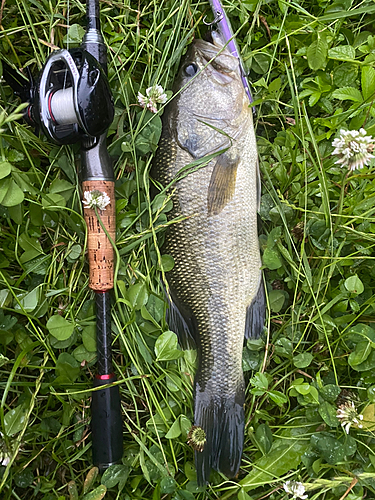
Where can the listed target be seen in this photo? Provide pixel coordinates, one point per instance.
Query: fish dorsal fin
(222, 184)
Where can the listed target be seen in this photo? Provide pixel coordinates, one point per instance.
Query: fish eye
(190, 69)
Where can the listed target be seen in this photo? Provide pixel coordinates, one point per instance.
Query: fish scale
(216, 276)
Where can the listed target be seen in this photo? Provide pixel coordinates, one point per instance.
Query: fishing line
(67, 22)
(67, 36)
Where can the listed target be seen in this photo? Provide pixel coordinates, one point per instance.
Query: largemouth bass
(216, 290)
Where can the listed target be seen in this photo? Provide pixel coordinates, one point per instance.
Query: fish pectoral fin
(255, 313)
(181, 321)
(222, 184)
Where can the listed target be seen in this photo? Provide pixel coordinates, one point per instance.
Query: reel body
(73, 99)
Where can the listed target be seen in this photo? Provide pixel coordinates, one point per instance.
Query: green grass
(317, 238)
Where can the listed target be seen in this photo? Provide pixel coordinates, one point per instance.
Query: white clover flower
(4, 460)
(154, 95)
(142, 100)
(157, 94)
(96, 199)
(354, 148)
(295, 488)
(5, 454)
(349, 415)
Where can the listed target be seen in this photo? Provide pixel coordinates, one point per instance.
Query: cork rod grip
(100, 250)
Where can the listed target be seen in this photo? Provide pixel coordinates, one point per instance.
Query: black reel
(72, 100)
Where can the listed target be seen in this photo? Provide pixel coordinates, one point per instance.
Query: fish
(207, 158)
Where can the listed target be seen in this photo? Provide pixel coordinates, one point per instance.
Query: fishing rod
(73, 103)
(98, 176)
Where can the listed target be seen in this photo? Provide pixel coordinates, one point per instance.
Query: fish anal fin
(181, 320)
(255, 313)
(259, 185)
(222, 184)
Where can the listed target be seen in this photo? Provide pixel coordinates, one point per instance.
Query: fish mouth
(208, 37)
(211, 48)
(211, 42)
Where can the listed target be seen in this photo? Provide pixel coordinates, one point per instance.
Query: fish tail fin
(223, 421)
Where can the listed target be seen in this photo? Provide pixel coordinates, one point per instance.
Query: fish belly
(217, 262)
